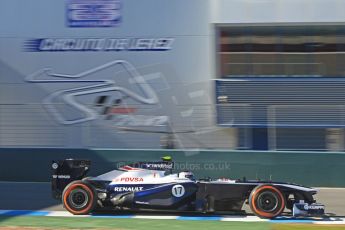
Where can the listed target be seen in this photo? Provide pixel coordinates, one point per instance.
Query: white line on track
(283, 219)
(243, 218)
(64, 214)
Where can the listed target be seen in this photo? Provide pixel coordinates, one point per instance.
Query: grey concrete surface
(37, 196)
(333, 199)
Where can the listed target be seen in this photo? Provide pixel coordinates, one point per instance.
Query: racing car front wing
(305, 209)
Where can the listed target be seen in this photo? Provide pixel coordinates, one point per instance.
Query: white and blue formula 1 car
(152, 186)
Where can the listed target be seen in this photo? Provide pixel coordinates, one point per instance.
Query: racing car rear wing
(66, 171)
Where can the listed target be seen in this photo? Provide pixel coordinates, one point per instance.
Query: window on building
(313, 50)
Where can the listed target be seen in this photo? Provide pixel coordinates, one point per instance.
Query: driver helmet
(186, 174)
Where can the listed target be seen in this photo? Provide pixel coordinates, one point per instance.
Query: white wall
(277, 11)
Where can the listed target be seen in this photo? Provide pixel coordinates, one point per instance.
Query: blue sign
(93, 13)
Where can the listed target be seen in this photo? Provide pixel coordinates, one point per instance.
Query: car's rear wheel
(79, 198)
(266, 201)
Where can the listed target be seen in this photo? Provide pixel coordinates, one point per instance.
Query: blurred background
(196, 75)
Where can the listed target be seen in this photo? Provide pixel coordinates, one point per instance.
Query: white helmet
(186, 174)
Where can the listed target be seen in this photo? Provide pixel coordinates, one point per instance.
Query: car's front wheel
(266, 201)
(79, 198)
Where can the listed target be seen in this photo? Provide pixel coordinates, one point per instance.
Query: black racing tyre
(266, 201)
(79, 198)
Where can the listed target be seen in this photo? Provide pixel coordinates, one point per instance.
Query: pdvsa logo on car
(132, 179)
(93, 13)
(129, 179)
